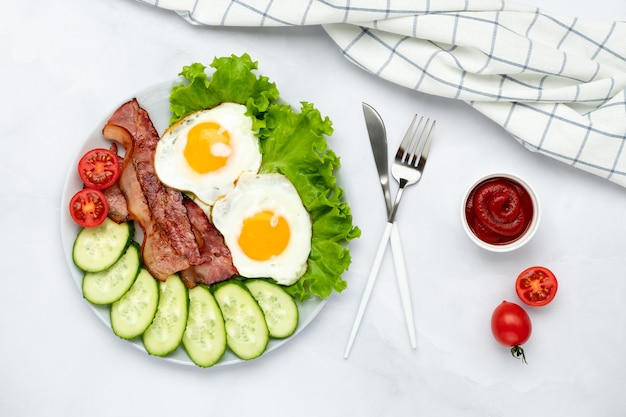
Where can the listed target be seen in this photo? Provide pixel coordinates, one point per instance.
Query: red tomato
(536, 286)
(511, 327)
(99, 168)
(89, 207)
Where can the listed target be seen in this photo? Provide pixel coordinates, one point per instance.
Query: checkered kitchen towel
(557, 84)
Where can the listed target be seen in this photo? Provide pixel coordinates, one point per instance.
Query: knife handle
(403, 283)
(369, 285)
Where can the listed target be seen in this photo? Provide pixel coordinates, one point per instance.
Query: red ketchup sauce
(499, 210)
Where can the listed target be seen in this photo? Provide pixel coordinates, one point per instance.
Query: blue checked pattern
(558, 85)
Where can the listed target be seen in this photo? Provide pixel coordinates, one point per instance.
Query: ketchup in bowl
(500, 210)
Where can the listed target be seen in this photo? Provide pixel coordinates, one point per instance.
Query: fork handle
(369, 285)
(403, 283)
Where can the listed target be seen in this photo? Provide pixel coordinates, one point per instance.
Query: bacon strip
(118, 208)
(219, 266)
(165, 203)
(178, 236)
(131, 127)
(158, 255)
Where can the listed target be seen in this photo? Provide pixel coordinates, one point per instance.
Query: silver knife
(378, 142)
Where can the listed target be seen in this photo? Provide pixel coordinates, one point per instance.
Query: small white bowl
(517, 242)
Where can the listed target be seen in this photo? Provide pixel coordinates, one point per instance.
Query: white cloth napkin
(558, 85)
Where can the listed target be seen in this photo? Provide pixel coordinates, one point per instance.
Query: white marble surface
(66, 65)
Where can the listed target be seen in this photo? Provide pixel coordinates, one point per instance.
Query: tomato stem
(517, 351)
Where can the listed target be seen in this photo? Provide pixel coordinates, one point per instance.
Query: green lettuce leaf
(232, 81)
(294, 144)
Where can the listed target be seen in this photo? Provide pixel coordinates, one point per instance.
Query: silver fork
(407, 169)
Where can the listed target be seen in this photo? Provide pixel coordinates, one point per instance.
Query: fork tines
(414, 144)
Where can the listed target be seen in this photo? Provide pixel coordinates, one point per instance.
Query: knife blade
(378, 142)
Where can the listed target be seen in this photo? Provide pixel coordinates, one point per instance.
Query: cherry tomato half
(89, 207)
(511, 327)
(99, 168)
(536, 286)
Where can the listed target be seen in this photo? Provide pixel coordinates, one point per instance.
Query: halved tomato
(536, 286)
(99, 168)
(89, 207)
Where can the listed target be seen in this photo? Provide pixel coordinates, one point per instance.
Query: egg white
(275, 193)
(243, 154)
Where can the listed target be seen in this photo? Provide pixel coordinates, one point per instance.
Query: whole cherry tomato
(536, 286)
(511, 327)
(89, 207)
(99, 168)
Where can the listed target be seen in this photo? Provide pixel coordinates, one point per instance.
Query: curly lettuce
(232, 81)
(293, 143)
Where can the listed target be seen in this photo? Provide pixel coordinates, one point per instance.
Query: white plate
(156, 101)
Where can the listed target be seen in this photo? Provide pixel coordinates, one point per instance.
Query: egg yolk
(207, 148)
(264, 235)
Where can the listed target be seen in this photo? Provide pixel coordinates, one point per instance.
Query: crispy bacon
(118, 208)
(165, 203)
(178, 236)
(219, 266)
(131, 127)
(158, 255)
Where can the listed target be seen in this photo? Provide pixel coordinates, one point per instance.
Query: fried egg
(266, 228)
(206, 152)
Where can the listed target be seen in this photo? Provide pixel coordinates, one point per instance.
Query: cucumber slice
(165, 332)
(205, 335)
(132, 314)
(98, 248)
(279, 308)
(246, 331)
(107, 286)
